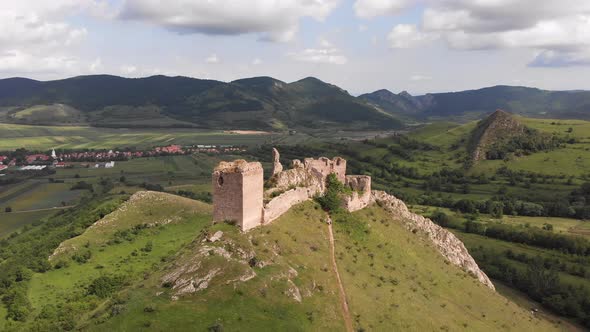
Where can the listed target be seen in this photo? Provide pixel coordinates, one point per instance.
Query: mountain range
(259, 103)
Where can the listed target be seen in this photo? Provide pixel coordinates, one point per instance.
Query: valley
(520, 208)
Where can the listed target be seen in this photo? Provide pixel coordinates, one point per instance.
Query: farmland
(14, 136)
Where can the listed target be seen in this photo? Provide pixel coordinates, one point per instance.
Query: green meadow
(14, 136)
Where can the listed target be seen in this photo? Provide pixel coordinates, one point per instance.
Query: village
(23, 160)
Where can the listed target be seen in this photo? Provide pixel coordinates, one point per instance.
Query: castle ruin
(239, 195)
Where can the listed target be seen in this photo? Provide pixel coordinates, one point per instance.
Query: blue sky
(361, 45)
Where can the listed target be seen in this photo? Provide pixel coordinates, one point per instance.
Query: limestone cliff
(444, 241)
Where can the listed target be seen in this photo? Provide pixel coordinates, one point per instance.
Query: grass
(560, 225)
(396, 280)
(175, 221)
(526, 303)
(12, 222)
(13, 136)
(474, 241)
(45, 196)
(258, 304)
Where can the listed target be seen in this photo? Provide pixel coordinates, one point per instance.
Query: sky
(418, 46)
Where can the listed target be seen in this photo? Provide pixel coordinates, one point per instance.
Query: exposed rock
(293, 291)
(276, 167)
(216, 236)
(498, 126)
(444, 241)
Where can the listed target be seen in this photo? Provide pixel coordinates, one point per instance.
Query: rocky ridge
(447, 244)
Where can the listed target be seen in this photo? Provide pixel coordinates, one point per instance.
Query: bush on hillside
(332, 199)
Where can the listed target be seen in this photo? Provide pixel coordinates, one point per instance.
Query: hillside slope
(160, 101)
(500, 135)
(278, 277)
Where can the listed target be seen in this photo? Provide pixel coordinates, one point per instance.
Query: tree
(8, 209)
(441, 218)
(495, 209)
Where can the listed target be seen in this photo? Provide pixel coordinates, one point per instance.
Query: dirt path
(345, 311)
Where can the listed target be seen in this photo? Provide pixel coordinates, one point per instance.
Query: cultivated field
(14, 136)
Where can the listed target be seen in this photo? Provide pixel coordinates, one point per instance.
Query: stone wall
(361, 192)
(310, 173)
(237, 193)
(325, 167)
(449, 246)
(282, 203)
(238, 188)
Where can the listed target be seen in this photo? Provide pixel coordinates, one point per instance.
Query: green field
(13, 136)
(11, 222)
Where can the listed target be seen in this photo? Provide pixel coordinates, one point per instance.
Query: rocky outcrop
(450, 247)
(500, 125)
(276, 166)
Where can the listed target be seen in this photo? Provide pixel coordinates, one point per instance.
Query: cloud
(15, 61)
(128, 70)
(407, 36)
(213, 59)
(363, 28)
(326, 53)
(561, 59)
(257, 61)
(419, 77)
(559, 31)
(36, 36)
(373, 8)
(95, 66)
(276, 20)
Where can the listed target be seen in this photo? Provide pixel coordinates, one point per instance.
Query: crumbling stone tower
(238, 193)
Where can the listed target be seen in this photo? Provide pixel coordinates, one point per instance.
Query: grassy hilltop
(145, 267)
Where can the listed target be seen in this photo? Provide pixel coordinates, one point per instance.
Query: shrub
(104, 286)
(332, 199)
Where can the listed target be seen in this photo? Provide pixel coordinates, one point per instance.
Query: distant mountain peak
(405, 94)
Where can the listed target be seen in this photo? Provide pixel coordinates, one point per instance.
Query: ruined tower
(238, 193)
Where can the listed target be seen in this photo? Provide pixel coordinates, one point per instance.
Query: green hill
(500, 135)
(160, 101)
(148, 266)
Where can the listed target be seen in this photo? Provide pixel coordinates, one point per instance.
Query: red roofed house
(35, 157)
(3, 167)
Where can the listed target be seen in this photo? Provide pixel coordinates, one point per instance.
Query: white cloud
(257, 61)
(363, 28)
(213, 59)
(128, 70)
(35, 36)
(407, 36)
(418, 77)
(558, 30)
(372, 8)
(95, 66)
(15, 61)
(326, 53)
(275, 20)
